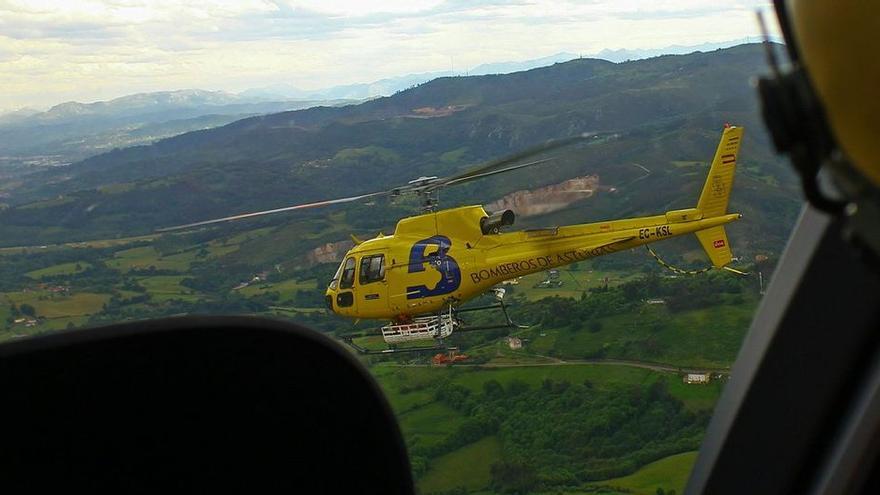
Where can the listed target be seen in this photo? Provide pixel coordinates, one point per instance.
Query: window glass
(372, 269)
(334, 282)
(347, 274)
(377, 266)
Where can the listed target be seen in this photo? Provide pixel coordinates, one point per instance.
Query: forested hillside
(668, 112)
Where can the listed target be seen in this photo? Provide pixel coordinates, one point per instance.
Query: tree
(492, 389)
(517, 387)
(27, 310)
(513, 477)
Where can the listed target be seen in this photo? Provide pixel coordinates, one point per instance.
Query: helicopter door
(372, 292)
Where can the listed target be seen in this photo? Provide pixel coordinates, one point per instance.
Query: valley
(590, 341)
(589, 398)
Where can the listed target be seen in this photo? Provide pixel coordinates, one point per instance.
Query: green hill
(668, 111)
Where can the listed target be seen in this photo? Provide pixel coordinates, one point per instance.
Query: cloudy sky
(88, 50)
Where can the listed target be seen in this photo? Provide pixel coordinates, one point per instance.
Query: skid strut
(432, 327)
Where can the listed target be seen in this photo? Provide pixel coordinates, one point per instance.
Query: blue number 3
(450, 274)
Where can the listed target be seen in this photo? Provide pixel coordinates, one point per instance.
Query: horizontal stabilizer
(714, 242)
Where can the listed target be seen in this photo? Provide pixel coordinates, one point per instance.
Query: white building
(701, 378)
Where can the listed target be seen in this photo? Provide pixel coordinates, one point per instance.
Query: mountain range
(664, 115)
(73, 131)
(389, 86)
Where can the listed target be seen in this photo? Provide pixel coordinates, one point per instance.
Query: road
(665, 368)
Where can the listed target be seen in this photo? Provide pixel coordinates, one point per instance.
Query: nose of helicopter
(331, 299)
(328, 297)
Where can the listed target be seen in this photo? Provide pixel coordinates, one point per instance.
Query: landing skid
(432, 327)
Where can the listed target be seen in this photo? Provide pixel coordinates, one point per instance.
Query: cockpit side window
(372, 269)
(347, 279)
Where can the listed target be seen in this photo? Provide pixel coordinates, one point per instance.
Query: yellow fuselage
(439, 258)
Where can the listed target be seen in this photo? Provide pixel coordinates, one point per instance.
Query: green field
(146, 257)
(696, 397)
(708, 337)
(102, 243)
(574, 282)
(286, 289)
(394, 379)
(61, 323)
(429, 424)
(50, 305)
(167, 287)
(467, 467)
(669, 473)
(143, 258)
(60, 269)
(426, 422)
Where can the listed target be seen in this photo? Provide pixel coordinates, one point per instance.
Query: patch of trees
(123, 310)
(565, 435)
(680, 294)
(216, 278)
(14, 266)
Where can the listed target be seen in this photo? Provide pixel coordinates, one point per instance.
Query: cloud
(93, 49)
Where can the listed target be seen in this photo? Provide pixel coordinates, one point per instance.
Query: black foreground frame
(196, 404)
(801, 411)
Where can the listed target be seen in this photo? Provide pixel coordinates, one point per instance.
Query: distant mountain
(666, 111)
(391, 85)
(141, 104)
(15, 115)
(623, 55)
(508, 67)
(73, 131)
(360, 91)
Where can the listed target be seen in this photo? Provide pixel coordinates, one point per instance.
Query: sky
(90, 50)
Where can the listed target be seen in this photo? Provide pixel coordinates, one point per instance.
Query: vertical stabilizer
(716, 195)
(716, 190)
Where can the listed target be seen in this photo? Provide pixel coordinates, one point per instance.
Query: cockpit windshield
(347, 279)
(334, 282)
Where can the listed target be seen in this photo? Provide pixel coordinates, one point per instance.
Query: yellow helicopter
(418, 277)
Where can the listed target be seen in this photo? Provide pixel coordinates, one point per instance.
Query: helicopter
(418, 277)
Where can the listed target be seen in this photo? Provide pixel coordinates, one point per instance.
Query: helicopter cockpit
(357, 271)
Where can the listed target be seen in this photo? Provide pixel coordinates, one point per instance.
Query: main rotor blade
(276, 210)
(498, 171)
(501, 162)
